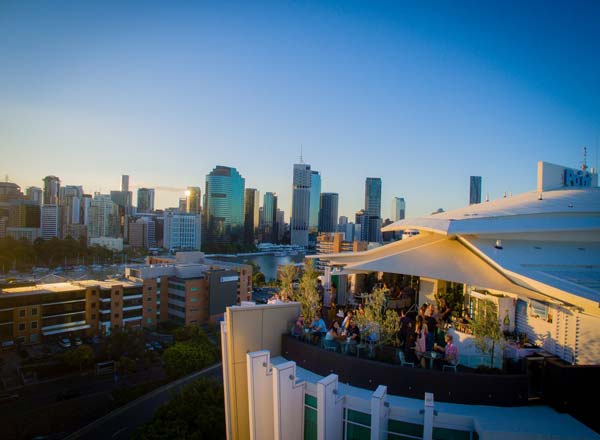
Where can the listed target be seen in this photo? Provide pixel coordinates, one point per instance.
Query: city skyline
(368, 92)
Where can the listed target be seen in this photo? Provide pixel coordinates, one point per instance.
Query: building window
(116, 303)
(34, 311)
(33, 325)
(149, 288)
(93, 292)
(148, 298)
(22, 327)
(117, 293)
(21, 340)
(93, 305)
(22, 313)
(116, 315)
(149, 321)
(149, 310)
(93, 317)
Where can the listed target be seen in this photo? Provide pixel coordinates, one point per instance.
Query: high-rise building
(343, 220)
(301, 204)
(142, 233)
(51, 190)
(315, 200)
(475, 190)
(398, 209)
(10, 191)
(125, 183)
(35, 194)
(251, 209)
(182, 231)
(280, 216)
(373, 196)
(328, 212)
(224, 205)
(70, 198)
(86, 204)
(362, 226)
(50, 221)
(24, 214)
(145, 200)
(375, 229)
(269, 232)
(193, 197)
(103, 217)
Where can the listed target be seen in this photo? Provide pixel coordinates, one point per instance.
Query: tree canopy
(198, 412)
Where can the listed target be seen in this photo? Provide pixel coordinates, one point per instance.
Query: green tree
(307, 294)
(287, 275)
(81, 357)
(376, 318)
(486, 329)
(187, 357)
(258, 279)
(198, 412)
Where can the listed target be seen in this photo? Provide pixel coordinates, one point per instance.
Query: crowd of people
(422, 334)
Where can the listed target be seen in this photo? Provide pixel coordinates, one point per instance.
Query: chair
(402, 360)
(449, 367)
(329, 345)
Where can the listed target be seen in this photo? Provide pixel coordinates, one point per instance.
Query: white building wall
(329, 409)
(288, 400)
(260, 395)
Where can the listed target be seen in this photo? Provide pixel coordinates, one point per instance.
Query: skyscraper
(70, 198)
(362, 226)
(145, 200)
(224, 206)
(125, 183)
(373, 196)
(103, 217)
(51, 190)
(35, 194)
(398, 209)
(300, 204)
(182, 231)
(251, 209)
(269, 233)
(475, 190)
(328, 212)
(193, 197)
(50, 221)
(315, 200)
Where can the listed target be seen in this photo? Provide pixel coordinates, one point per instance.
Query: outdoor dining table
(345, 343)
(431, 355)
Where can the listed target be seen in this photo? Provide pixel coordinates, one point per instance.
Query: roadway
(123, 422)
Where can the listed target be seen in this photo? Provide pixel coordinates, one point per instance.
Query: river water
(268, 263)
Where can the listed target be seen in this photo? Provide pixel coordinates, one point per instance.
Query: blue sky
(421, 94)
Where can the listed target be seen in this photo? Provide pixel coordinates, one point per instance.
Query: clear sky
(422, 95)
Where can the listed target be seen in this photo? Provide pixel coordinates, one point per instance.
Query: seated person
(353, 333)
(334, 332)
(298, 326)
(450, 351)
(318, 327)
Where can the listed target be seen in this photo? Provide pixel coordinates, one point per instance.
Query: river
(268, 263)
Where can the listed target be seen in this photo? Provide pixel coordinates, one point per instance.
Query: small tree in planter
(486, 330)
(377, 319)
(286, 279)
(307, 294)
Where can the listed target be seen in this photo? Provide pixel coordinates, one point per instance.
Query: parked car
(149, 347)
(65, 343)
(77, 341)
(157, 345)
